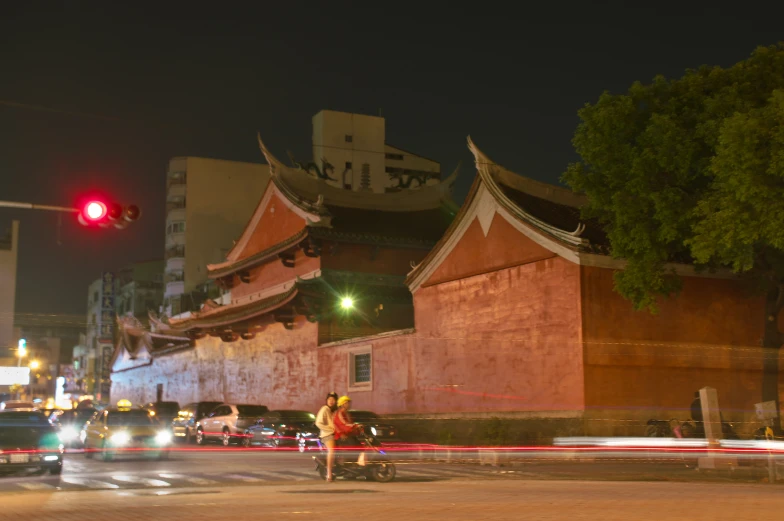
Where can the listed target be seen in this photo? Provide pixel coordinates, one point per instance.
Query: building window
(349, 138)
(175, 227)
(348, 165)
(360, 368)
(396, 157)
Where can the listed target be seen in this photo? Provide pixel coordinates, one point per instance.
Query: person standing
(326, 425)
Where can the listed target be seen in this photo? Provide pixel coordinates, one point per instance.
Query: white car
(228, 422)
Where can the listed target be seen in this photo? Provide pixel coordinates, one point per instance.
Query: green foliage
(689, 170)
(496, 433)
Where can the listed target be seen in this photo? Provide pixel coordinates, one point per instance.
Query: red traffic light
(95, 210)
(103, 214)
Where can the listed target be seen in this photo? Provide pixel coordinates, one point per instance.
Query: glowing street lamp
(35, 364)
(347, 303)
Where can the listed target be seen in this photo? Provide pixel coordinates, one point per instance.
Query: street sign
(14, 375)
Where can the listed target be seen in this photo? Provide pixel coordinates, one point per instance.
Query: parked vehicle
(184, 424)
(278, 428)
(377, 466)
(675, 428)
(28, 440)
(15, 405)
(165, 412)
(308, 437)
(228, 423)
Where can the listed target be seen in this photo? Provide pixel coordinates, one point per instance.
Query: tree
(692, 170)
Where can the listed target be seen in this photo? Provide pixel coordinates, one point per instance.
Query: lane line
(89, 483)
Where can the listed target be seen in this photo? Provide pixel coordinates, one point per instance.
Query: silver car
(228, 423)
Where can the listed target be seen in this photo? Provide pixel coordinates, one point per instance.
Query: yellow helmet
(343, 400)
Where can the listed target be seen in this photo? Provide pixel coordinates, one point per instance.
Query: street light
(34, 365)
(347, 303)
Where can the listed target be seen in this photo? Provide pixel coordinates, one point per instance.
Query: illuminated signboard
(14, 375)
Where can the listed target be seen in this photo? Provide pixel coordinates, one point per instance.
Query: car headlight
(163, 437)
(373, 430)
(121, 438)
(68, 434)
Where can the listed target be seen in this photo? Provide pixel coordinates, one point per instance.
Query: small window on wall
(349, 138)
(360, 368)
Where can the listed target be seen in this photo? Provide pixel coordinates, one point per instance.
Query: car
(164, 411)
(70, 424)
(228, 422)
(13, 405)
(308, 438)
(184, 425)
(278, 428)
(125, 430)
(29, 441)
(375, 425)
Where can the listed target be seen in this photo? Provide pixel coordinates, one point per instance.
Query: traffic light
(96, 212)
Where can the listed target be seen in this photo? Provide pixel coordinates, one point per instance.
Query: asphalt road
(218, 467)
(455, 500)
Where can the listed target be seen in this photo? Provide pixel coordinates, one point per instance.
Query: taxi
(125, 430)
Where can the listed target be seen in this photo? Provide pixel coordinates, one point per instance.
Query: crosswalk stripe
(190, 479)
(141, 481)
(89, 483)
(36, 486)
(288, 475)
(243, 477)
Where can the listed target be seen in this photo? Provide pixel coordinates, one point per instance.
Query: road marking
(287, 475)
(89, 483)
(142, 481)
(189, 479)
(249, 479)
(36, 486)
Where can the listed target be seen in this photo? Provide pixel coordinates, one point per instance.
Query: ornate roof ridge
(313, 194)
(231, 313)
(228, 267)
(502, 175)
(493, 174)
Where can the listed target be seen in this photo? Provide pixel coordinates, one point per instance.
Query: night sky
(100, 96)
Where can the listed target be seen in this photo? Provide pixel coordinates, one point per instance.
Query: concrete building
(140, 289)
(99, 339)
(350, 152)
(208, 202)
(9, 250)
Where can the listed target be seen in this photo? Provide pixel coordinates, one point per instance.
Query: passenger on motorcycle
(325, 424)
(345, 429)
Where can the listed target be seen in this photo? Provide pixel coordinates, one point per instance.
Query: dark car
(308, 438)
(164, 412)
(279, 428)
(184, 424)
(375, 425)
(70, 424)
(28, 440)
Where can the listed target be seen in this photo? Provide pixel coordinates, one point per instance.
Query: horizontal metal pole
(31, 206)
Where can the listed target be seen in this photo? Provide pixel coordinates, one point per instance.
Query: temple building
(505, 308)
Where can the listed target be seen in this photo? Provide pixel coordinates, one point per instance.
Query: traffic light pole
(31, 206)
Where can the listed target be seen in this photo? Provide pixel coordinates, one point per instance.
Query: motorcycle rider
(326, 426)
(345, 429)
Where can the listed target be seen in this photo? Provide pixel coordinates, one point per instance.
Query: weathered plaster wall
(277, 368)
(641, 366)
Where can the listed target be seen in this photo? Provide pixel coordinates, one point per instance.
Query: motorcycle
(377, 466)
